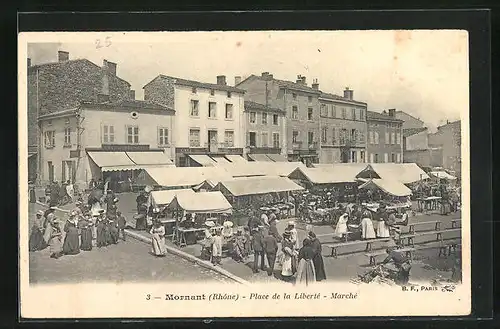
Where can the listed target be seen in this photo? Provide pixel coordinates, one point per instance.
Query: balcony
(297, 145)
(313, 146)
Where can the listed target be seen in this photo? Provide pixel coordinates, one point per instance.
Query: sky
(424, 73)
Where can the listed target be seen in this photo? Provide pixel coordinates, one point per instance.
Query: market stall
(393, 192)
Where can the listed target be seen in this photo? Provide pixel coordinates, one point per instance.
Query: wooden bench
(345, 235)
(335, 246)
(439, 236)
(437, 225)
(373, 255)
(454, 222)
(449, 247)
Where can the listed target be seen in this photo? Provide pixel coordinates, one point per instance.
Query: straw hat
(264, 209)
(228, 224)
(40, 212)
(115, 200)
(291, 223)
(51, 216)
(210, 223)
(156, 210)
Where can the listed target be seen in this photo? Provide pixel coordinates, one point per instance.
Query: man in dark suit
(270, 246)
(258, 249)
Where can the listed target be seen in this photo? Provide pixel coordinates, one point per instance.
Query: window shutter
(63, 171)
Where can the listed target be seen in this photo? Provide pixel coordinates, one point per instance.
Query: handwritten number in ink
(100, 43)
(148, 297)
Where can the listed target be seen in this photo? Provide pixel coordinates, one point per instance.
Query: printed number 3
(148, 297)
(106, 43)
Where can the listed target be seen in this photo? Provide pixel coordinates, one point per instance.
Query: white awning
(163, 198)
(236, 159)
(442, 174)
(259, 157)
(203, 160)
(186, 176)
(202, 203)
(113, 161)
(221, 160)
(259, 185)
(149, 158)
(393, 187)
(277, 157)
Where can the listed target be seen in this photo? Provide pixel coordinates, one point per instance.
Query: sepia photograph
(244, 167)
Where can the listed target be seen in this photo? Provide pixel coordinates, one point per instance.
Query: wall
(270, 128)
(425, 158)
(449, 138)
(418, 141)
(161, 91)
(382, 148)
(409, 121)
(183, 120)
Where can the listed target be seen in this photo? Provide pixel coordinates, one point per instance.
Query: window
(50, 167)
(295, 136)
(212, 92)
(353, 135)
(334, 136)
(334, 111)
(162, 136)
(294, 96)
(323, 110)
(370, 136)
(253, 117)
(387, 136)
(398, 138)
(398, 157)
(376, 137)
(361, 136)
(228, 94)
(276, 120)
(229, 138)
(309, 113)
(310, 137)
(354, 157)
(276, 140)
(50, 139)
(393, 157)
(252, 139)
(353, 114)
(371, 157)
(376, 157)
(49, 123)
(194, 137)
(393, 138)
(132, 135)
(362, 156)
(108, 134)
(323, 134)
(194, 108)
(362, 115)
(295, 112)
(344, 113)
(212, 110)
(264, 118)
(265, 139)
(193, 90)
(229, 111)
(386, 157)
(67, 136)
(343, 136)
(309, 99)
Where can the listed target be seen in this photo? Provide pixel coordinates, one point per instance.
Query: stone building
(416, 148)
(449, 138)
(385, 142)
(409, 121)
(208, 117)
(301, 105)
(343, 128)
(62, 85)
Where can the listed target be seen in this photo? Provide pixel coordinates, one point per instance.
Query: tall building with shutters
(385, 137)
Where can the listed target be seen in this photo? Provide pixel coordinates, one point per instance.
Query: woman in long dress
(157, 232)
(367, 230)
(305, 271)
(101, 239)
(319, 266)
(36, 241)
(341, 226)
(53, 230)
(382, 228)
(217, 248)
(112, 228)
(71, 240)
(85, 226)
(288, 263)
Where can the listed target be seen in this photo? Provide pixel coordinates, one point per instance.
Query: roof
(389, 186)
(186, 176)
(328, 175)
(286, 84)
(202, 202)
(160, 198)
(442, 174)
(58, 114)
(134, 104)
(406, 173)
(69, 62)
(262, 107)
(413, 131)
(197, 84)
(370, 115)
(453, 123)
(236, 158)
(340, 98)
(203, 160)
(118, 161)
(259, 185)
(408, 114)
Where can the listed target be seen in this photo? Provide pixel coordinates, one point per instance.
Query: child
(122, 223)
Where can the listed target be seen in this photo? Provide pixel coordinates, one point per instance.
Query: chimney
(384, 112)
(392, 112)
(29, 62)
(237, 80)
(221, 80)
(315, 84)
(301, 79)
(62, 56)
(102, 98)
(267, 76)
(132, 94)
(105, 83)
(110, 67)
(348, 93)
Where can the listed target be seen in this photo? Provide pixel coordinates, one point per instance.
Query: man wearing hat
(294, 235)
(264, 219)
(401, 262)
(122, 223)
(270, 246)
(36, 241)
(257, 249)
(273, 230)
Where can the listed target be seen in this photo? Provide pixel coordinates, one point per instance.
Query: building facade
(409, 121)
(385, 141)
(62, 85)
(343, 128)
(265, 129)
(301, 105)
(209, 118)
(449, 138)
(71, 137)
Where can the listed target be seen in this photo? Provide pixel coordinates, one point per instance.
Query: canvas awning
(30, 154)
(392, 187)
(185, 176)
(258, 185)
(202, 203)
(113, 161)
(149, 158)
(221, 160)
(326, 175)
(259, 157)
(236, 159)
(163, 198)
(406, 173)
(443, 175)
(203, 160)
(277, 157)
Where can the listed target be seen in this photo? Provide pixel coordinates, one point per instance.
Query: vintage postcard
(244, 174)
